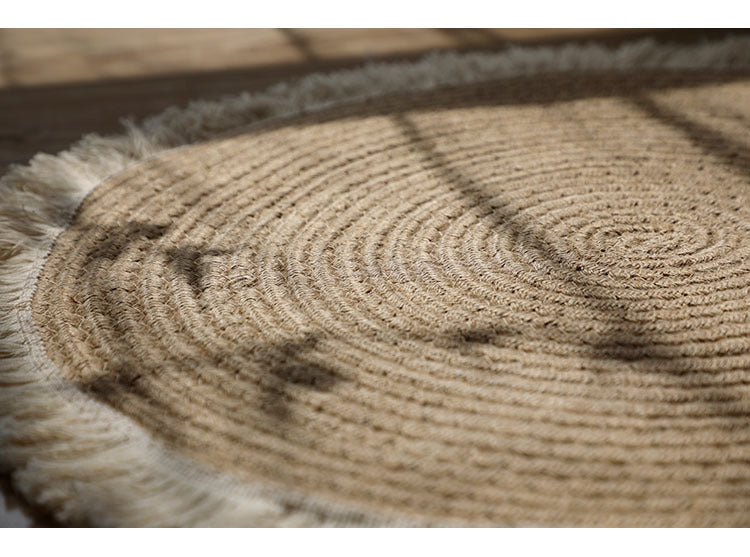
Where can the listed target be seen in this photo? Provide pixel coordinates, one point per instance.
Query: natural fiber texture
(487, 293)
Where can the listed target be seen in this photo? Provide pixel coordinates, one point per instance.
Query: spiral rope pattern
(521, 303)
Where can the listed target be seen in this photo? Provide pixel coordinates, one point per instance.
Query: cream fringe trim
(90, 465)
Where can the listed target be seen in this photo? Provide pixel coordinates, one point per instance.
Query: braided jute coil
(480, 289)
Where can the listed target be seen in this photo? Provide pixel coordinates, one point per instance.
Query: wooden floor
(57, 85)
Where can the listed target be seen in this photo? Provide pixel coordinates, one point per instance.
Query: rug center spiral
(428, 305)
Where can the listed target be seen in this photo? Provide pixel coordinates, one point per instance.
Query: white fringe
(88, 464)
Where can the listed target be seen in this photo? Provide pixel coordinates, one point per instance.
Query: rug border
(86, 463)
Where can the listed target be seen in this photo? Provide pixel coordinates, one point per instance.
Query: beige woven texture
(523, 302)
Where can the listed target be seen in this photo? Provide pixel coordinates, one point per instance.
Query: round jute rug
(483, 289)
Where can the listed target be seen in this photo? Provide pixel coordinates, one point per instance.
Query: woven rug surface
(481, 289)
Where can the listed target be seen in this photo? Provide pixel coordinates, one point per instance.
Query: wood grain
(44, 56)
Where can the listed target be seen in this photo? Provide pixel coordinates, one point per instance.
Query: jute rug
(483, 289)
